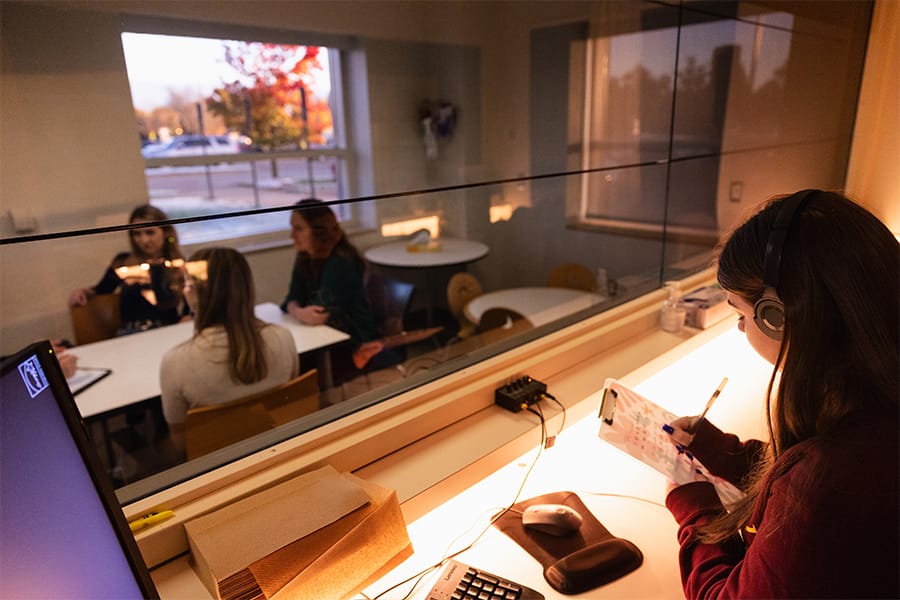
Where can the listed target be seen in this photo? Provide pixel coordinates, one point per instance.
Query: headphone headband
(775, 244)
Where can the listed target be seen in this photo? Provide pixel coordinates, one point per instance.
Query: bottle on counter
(602, 282)
(673, 312)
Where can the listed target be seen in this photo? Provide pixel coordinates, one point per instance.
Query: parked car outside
(197, 145)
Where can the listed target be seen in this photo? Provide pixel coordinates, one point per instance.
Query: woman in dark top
(145, 303)
(814, 278)
(327, 280)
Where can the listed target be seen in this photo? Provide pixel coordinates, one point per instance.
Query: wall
(69, 156)
(874, 178)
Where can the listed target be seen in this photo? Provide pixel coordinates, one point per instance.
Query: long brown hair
(327, 235)
(840, 285)
(147, 212)
(227, 298)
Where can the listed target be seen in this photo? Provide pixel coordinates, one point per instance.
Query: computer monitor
(62, 531)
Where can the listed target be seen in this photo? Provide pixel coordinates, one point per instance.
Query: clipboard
(85, 377)
(634, 425)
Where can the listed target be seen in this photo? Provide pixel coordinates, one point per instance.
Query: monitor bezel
(65, 401)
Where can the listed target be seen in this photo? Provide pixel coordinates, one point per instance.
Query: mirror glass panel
(503, 170)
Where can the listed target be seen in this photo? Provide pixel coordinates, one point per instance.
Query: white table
(433, 266)
(135, 359)
(451, 252)
(540, 305)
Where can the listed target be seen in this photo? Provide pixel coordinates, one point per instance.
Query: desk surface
(135, 359)
(452, 252)
(539, 304)
(623, 493)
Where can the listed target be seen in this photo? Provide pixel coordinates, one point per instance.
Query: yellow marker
(151, 519)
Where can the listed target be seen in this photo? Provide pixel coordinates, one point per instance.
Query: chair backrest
(97, 320)
(574, 276)
(390, 301)
(208, 428)
(497, 324)
(462, 289)
(294, 399)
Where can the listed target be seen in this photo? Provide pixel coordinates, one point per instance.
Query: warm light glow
(501, 212)
(432, 224)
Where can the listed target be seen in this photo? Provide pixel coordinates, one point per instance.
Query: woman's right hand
(79, 297)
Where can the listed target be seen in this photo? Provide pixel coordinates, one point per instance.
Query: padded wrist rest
(580, 561)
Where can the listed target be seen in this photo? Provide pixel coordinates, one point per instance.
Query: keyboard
(459, 581)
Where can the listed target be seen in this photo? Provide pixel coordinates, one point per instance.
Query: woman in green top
(327, 280)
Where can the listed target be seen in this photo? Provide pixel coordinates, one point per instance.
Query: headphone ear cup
(768, 314)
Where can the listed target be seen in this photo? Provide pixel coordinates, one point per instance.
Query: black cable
(418, 576)
(562, 425)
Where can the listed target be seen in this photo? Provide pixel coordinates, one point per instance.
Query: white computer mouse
(555, 519)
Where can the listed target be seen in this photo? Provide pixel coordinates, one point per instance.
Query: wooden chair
(97, 320)
(294, 399)
(462, 289)
(498, 324)
(574, 276)
(389, 300)
(209, 428)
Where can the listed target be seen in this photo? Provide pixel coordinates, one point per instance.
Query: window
(231, 125)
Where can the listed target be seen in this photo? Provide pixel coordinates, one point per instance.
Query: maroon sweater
(837, 505)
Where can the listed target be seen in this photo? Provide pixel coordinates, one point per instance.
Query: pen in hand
(709, 404)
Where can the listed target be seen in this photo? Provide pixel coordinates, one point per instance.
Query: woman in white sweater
(232, 354)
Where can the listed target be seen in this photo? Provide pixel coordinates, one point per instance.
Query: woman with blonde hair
(232, 353)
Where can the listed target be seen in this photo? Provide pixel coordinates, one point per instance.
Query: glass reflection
(640, 143)
(432, 327)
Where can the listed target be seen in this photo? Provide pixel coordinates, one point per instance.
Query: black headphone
(768, 312)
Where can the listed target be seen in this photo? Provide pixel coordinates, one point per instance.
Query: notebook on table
(64, 534)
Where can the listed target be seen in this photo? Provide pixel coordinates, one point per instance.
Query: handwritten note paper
(634, 425)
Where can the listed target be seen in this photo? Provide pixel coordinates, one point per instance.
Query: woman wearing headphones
(814, 278)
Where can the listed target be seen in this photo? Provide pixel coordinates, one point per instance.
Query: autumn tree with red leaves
(277, 109)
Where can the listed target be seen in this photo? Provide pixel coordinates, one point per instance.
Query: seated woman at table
(144, 303)
(327, 284)
(232, 354)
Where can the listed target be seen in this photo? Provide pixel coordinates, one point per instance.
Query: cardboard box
(321, 535)
(706, 306)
